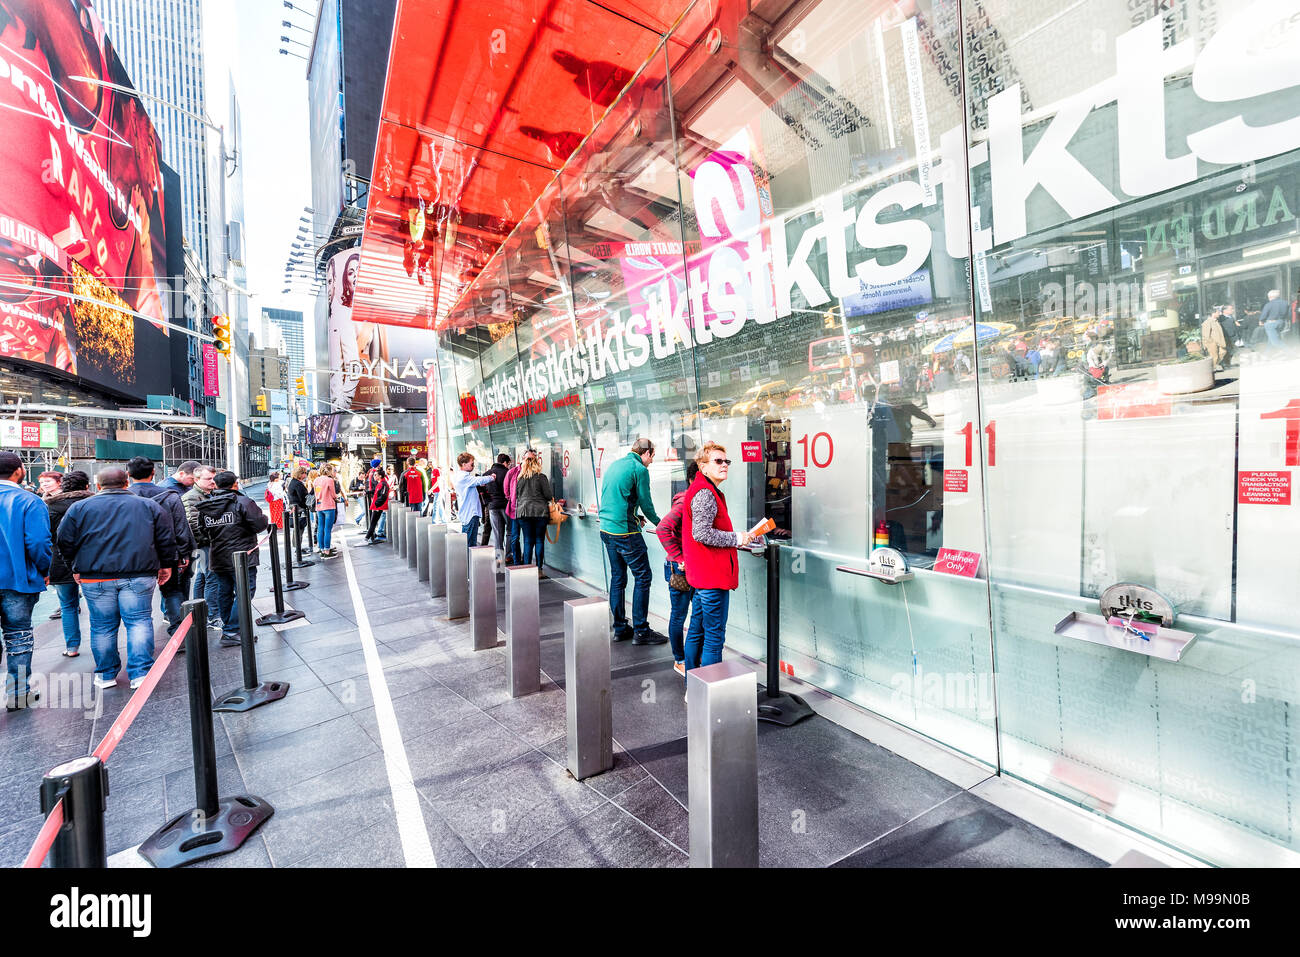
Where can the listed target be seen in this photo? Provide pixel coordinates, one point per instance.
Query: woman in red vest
(709, 546)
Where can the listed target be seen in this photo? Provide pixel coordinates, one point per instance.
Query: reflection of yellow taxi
(759, 396)
(711, 407)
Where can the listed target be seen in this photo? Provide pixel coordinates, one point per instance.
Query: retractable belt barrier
(297, 538)
(280, 616)
(774, 705)
(289, 583)
(252, 693)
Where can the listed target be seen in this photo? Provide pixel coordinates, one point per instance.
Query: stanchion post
(483, 596)
(413, 543)
(297, 537)
(280, 616)
(722, 765)
(252, 693)
(215, 825)
(437, 561)
(523, 631)
(289, 583)
(774, 705)
(403, 540)
(82, 785)
(457, 567)
(589, 710)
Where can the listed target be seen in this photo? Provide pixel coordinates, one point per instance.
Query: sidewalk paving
(489, 770)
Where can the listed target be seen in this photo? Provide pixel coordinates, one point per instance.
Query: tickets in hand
(763, 527)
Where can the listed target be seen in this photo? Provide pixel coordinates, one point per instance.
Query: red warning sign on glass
(797, 478)
(955, 480)
(954, 561)
(751, 451)
(1264, 488)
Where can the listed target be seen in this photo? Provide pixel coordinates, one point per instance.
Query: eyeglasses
(722, 461)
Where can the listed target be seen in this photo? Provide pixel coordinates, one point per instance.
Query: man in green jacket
(624, 489)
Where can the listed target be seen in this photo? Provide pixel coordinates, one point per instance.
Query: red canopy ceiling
(484, 101)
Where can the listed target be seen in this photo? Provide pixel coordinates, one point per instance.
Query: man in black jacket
(494, 497)
(118, 545)
(173, 594)
(230, 521)
(376, 492)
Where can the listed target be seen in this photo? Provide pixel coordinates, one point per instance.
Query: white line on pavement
(416, 848)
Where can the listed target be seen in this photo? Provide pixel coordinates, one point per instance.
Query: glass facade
(986, 282)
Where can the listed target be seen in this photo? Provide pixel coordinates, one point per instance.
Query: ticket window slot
(907, 478)
(774, 502)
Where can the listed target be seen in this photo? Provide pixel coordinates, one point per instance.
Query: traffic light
(374, 430)
(221, 330)
(261, 402)
(301, 382)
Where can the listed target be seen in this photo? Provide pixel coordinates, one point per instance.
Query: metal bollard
(395, 525)
(252, 693)
(722, 763)
(289, 583)
(297, 538)
(523, 631)
(280, 616)
(483, 596)
(216, 825)
(404, 520)
(422, 526)
(586, 673)
(457, 568)
(413, 534)
(438, 561)
(82, 784)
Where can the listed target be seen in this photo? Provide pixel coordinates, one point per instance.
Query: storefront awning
(483, 103)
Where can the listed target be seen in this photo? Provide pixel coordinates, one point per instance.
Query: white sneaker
(102, 682)
(136, 682)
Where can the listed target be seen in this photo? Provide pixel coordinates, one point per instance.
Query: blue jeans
(512, 541)
(325, 525)
(226, 599)
(681, 604)
(70, 606)
(534, 535)
(708, 631)
(1273, 328)
(628, 552)
(205, 584)
(470, 529)
(116, 602)
(16, 626)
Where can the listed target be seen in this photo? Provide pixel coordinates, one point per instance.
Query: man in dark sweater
(119, 545)
(173, 594)
(230, 522)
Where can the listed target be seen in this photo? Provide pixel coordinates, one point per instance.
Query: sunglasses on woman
(722, 461)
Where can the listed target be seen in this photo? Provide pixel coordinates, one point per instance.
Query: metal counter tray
(1168, 644)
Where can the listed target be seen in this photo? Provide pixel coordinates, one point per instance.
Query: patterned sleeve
(704, 509)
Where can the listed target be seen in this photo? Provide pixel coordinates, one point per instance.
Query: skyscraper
(289, 322)
(160, 42)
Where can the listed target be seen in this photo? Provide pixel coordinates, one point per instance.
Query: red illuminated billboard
(81, 203)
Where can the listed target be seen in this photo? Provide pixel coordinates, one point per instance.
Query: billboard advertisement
(371, 364)
(82, 234)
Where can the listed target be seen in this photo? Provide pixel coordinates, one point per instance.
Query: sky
(242, 38)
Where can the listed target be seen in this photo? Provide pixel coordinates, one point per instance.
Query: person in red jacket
(414, 480)
(709, 546)
(376, 493)
(669, 531)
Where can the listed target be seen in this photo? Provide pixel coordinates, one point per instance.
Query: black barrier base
(304, 564)
(784, 709)
(246, 699)
(191, 837)
(279, 619)
(293, 586)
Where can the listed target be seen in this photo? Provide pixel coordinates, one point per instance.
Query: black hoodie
(230, 522)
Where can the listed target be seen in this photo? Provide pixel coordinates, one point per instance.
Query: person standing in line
(533, 495)
(413, 486)
(274, 496)
(119, 545)
(172, 593)
(182, 480)
(205, 584)
(624, 489)
(496, 502)
(231, 522)
(296, 493)
(435, 509)
(1273, 318)
(376, 493)
(327, 505)
(467, 484)
(510, 484)
(357, 491)
(49, 483)
(75, 486)
(1214, 342)
(25, 555)
(670, 536)
(709, 546)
